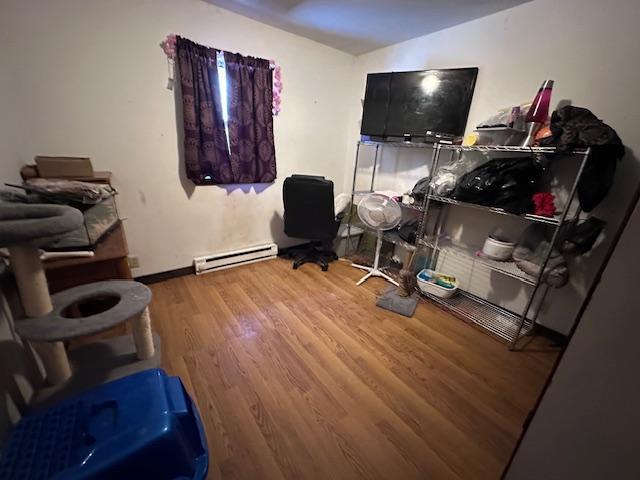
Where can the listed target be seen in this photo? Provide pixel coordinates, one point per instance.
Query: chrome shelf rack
(378, 146)
(507, 325)
(506, 268)
(499, 321)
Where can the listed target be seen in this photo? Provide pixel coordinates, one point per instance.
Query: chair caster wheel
(295, 267)
(325, 268)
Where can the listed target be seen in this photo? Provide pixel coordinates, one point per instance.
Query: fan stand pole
(374, 272)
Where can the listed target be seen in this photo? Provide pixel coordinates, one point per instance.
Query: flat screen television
(414, 103)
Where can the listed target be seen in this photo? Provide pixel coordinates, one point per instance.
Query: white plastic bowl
(434, 288)
(497, 250)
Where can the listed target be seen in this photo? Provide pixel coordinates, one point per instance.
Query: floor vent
(220, 261)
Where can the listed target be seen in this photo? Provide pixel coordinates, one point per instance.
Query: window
(224, 96)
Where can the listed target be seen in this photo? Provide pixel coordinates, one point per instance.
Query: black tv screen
(415, 103)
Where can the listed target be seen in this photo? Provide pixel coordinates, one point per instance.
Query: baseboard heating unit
(235, 258)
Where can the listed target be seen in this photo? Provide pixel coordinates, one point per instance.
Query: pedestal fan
(380, 213)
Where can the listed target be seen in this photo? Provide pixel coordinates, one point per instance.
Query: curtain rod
(168, 45)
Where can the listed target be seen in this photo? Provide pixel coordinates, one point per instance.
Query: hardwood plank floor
(297, 374)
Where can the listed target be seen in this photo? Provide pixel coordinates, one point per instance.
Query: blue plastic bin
(138, 427)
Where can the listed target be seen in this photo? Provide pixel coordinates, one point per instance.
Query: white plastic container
(433, 288)
(340, 245)
(498, 250)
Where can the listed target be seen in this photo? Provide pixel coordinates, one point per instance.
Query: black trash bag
(580, 238)
(420, 189)
(408, 231)
(508, 183)
(577, 127)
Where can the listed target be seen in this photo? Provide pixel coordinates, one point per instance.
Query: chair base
(315, 252)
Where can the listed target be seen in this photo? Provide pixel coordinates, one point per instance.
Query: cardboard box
(64, 167)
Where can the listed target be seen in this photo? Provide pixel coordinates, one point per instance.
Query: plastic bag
(444, 181)
(508, 183)
(502, 117)
(447, 176)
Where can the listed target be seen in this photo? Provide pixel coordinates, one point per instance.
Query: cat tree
(24, 229)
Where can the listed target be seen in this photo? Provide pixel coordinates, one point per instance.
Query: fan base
(373, 272)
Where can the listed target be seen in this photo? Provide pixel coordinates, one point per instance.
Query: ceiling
(360, 26)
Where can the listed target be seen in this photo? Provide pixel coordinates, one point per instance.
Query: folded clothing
(532, 249)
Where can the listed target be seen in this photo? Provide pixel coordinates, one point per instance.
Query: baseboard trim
(161, 276)
(181, 272)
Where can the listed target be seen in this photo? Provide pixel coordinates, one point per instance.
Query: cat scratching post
(31, 280)
(141, 327)
(23, 228)
(75, 312)
(36, 302)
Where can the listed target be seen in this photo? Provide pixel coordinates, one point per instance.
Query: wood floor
(298, 375)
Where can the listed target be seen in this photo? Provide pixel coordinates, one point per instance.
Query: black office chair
(309, 213)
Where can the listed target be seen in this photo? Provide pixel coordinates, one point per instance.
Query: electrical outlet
(134, 261)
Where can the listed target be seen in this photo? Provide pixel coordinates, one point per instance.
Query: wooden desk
(109, 262)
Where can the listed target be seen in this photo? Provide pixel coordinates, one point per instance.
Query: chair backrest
(308, 208)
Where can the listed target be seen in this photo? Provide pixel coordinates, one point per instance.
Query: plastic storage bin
(341, 246)
(426, 286)
(141, 426)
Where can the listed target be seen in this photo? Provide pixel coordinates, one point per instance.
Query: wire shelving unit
(497, 320)
(507, 325)
(503, 323)
(507, 268)
(378, 146)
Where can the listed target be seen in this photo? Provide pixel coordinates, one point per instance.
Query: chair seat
(131, 298)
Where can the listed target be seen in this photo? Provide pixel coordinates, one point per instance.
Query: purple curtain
(205, 143)
(250, 84)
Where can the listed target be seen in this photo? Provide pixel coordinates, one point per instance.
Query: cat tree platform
(79, 311)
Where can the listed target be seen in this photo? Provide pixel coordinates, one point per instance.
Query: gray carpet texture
(406, 306)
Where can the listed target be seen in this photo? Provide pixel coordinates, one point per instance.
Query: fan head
(379, 212)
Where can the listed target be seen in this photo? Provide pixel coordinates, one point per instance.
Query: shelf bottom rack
(493, 318)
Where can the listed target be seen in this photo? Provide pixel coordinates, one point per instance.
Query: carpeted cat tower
(52, 320)
(98, 423)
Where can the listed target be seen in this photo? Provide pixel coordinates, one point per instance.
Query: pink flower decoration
(169, 46)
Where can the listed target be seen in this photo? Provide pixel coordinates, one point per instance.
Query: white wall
(11, 116)
(90, 80)
(588, 47)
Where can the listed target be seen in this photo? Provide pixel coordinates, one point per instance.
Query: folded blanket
(69, 190)
(532, 249)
